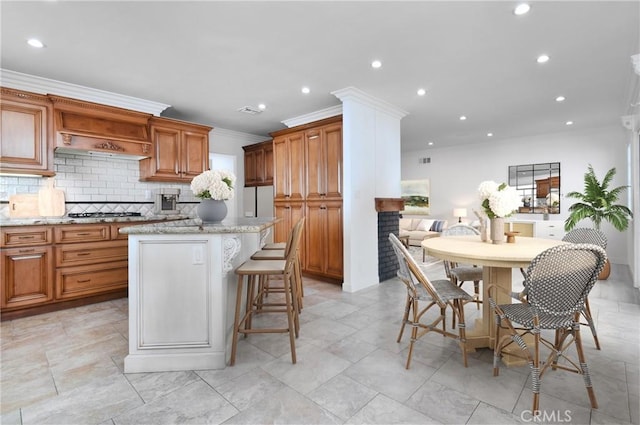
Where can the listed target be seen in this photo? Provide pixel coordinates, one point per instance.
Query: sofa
(419, 229)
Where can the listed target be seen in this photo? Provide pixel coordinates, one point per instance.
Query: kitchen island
(182, 291)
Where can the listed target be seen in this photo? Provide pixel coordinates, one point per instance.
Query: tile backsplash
(97, 184)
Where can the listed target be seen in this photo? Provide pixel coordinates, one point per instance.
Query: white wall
(456, 172)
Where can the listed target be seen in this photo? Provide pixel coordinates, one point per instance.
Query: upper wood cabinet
(258, 164)
(179, 151)
(26, 126)
(289, 166)
(324, 162)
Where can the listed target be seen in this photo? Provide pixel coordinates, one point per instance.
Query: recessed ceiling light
(542, 59)
(376, 64)
(462, 118)
(34, 42)
(521, 9)
(489, 134)
(430, 143)
(569, 123)
(422, 92)
(262, 106)
(306, 90)
(560, 99)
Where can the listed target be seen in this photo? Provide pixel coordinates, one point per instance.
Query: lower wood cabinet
(48, 267)
(27, 277)
(323, 239)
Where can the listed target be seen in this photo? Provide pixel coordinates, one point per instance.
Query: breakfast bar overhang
(182, 291)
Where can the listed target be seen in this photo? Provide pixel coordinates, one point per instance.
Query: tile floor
(67, 368)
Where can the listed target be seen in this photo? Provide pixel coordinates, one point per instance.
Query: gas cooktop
(104, 214)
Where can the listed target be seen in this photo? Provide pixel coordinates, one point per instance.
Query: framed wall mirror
(539, 187)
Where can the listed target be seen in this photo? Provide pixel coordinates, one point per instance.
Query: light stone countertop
(195, 226)
(43, 221)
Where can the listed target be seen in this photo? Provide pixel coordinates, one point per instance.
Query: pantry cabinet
(179, 151)
(26, 127)
(308, 175)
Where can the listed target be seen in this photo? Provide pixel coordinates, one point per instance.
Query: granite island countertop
(44, 221)
(195, 226)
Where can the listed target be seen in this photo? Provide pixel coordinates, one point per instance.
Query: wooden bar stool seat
(275, 245)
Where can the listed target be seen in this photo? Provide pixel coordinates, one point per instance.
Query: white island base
(182, 292)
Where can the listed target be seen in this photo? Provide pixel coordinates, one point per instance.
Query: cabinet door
(250, 169)
(332, 167)
(268, 164)
(25, 134)
(165, 161)
(194, 154)
(334, 263)
(27, 277)
(296, 166)
(84, 281)
(289, 213)
(315, 164)
(281, 168)
(323, 242)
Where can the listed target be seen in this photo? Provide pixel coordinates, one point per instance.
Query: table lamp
(459, 212)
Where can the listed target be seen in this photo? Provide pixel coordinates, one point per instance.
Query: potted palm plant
(599, 203)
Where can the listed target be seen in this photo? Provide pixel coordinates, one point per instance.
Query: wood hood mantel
(82, 126)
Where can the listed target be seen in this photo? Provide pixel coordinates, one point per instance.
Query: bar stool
(269, 252)
(254, 304)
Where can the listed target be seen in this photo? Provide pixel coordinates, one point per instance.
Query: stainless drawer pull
(82, 254)
(84, 280)
(83, 234)
(26, 237)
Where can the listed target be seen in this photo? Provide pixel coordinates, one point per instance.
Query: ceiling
(209, 58)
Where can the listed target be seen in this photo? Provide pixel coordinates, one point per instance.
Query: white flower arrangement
(214, 184)
(553, 200)
(498, 200)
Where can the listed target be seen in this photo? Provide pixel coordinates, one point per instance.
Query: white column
(632, 123)
(371, 168)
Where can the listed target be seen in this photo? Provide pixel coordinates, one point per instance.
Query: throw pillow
(437, 226)
(425, 225)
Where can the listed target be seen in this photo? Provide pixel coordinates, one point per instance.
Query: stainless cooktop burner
(104, 214)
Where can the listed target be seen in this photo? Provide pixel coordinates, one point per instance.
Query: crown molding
(238, 136)
(357, 95)
(35, 84)
(329, 112)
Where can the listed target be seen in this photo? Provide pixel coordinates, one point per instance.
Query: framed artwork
(415, 194)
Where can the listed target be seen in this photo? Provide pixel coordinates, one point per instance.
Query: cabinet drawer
(550, 230)
(90, 253)
(83, 281)
(26, 236)
(82, 233)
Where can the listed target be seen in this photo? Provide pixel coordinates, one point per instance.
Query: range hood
(92, 129)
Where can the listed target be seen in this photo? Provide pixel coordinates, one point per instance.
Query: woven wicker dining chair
(596, 237)
(459, 273)
(557, 284)
(438, 293)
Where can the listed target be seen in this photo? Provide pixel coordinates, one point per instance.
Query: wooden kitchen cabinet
(544, 186)
(179, 151)
(26, 127)
(308, 183)
(27, 267)
(323, 242)
(289, 167)
(324, 162)
(258, 164)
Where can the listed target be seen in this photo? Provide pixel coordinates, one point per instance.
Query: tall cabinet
(308, 182)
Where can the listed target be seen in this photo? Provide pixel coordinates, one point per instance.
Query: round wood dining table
(497, 261)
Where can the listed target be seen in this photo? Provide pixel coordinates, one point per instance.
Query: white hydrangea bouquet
(498, 200)
(214, 184)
